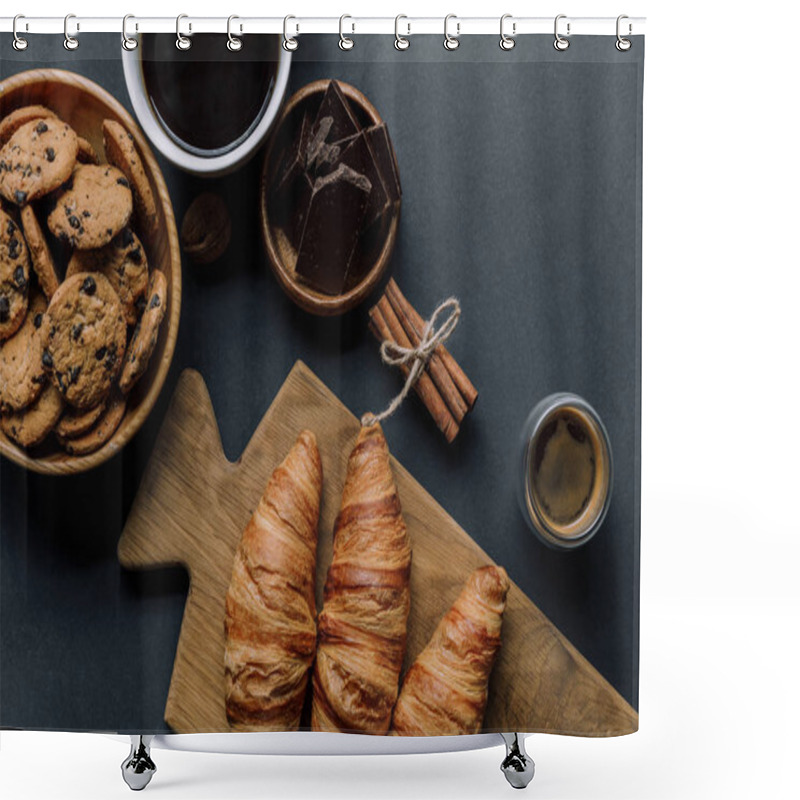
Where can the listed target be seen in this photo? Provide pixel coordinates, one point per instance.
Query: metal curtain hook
(70, 42)
(234, 42)
(507, 42)
(19, 43)
(622, 44)
(451, 42)
(182, 42)
(400, 42)
(128, 42)
(289, 43)
(560, 42)
(345, 43)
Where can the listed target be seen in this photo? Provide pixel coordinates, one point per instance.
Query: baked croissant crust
(445, 690)
(269, 610)
(362, 625)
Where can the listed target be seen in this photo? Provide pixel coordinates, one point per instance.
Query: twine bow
(396, 355)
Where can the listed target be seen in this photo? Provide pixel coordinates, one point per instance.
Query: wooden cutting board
(193, 504)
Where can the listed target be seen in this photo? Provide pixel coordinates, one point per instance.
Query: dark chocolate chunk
(89, 286)
(47, 359)
(381, 144)
(359, 157)
(41, 127)
(76, 331)
(331, 233)
(334, 104)
(293, 161)
(37, 320)
(295, 200)
(72, 373)
(50, 154)
(101, 353)
(317, 147)
(20, 197)
(74, 222)
(155, 302)
(20, 281)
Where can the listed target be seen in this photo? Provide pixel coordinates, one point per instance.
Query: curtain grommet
(234, 43)
(182, 42)
(451, 42)
(19, 42)
(70, 42)
(622, 44)
(289, 42)
(560, 42)
(507, 42)
(401, 42)
(128, 42)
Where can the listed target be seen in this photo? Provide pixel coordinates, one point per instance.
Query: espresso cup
(177, 92)
(566, 478)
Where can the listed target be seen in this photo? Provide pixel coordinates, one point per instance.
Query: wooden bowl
(84, 105)
(282, 256)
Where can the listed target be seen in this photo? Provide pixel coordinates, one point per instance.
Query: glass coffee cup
(564, 490)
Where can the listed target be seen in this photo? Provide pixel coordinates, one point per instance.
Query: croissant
(362, 625)
(269, 609)
(445, 690)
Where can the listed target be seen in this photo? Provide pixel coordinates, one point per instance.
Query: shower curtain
(320, 385)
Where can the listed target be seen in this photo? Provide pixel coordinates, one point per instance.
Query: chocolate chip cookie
(75, 423)
(37, 159)
(30, 426)
(14, 267)
(41, 258)
(86, 153)
(22, 375)
(85, 339)
(92, 208)
(97, 436)
(121, 152)
(11, 123)
(124, 263)
(143, 341)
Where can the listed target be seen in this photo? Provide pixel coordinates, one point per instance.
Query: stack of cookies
(74, 341)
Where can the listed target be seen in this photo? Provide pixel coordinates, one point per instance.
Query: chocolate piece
(331, 233)
(381, 144)
(299, 201)
(317, 146)
(359, 157)
(334, 104)
(293, 161)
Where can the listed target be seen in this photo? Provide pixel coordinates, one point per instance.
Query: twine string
(396, 355)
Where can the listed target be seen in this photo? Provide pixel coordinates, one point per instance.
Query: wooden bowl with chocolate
(90, 274)
(330, 198)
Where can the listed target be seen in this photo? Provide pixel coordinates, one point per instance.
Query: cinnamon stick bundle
(443, 387)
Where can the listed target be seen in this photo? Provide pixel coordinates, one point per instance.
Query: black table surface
(521, 175)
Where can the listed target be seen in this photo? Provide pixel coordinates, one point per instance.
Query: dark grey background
(521, 174)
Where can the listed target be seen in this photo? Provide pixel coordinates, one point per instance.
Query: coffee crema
(207, 98)
(567, 462)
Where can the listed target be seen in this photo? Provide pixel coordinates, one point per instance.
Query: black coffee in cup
(565, 487)
(209, 99)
